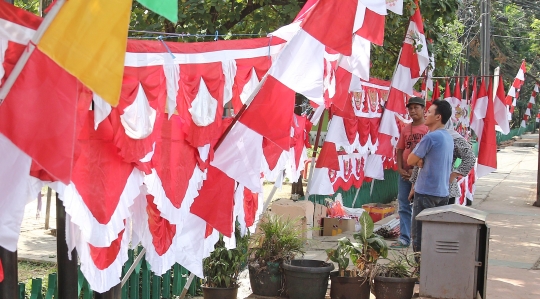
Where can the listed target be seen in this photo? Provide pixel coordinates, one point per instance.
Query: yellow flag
(88, 38)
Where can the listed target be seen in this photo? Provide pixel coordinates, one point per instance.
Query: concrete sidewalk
(507, 195)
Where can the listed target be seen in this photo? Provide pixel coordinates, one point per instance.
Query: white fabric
(204, 106)
(521, 74)
(388, 124)
(395, 6)
(100, 280)
(273, 175)
(190, 254)
(168, 210)
(159, 264)
(512, 91)
(172, 79)
(17, 190)
(320, 182)
(402, 80)
(239, 198)
(93, 232)
(317, 114)
(500, 111)
(287, 32)
(479, 113)
(250, 86)
(300, 66)
(139, 118)
(483, 170)
(229, 71)
(356, 84)
(204, 151)
(240, 155)
(377, 6)
(374, 167)
(423, 55)
(14, 32)
(151, 59)
(148, 157)
(102, 110)
(359, 62)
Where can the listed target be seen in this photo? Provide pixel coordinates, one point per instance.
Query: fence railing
(142, 283)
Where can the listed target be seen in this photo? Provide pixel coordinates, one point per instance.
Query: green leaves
(367, 226)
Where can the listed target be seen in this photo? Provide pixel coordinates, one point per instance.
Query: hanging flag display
(412, 62)
(513, 92)
(530, 104)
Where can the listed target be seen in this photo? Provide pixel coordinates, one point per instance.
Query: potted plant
(396, 279)
(222, 268)
(353, 282)
(278, 239)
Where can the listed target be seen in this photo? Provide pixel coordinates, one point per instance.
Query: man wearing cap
(409, 137)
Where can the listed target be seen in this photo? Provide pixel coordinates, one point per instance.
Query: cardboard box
(335, 226)
(305, 211)
(379, 211)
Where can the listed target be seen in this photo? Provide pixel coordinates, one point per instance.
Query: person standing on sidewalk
(409, 137)
(434, 155)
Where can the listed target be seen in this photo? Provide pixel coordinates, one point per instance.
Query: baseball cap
(417, 100)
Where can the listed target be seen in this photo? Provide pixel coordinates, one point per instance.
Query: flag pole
(4, 90)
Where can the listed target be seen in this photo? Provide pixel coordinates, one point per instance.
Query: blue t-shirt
(437, 150)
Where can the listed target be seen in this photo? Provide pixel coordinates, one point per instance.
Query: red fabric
(457, 90)
(417, 18)
(190, 77)
(162, 230)
(215, 202)
(174, 160)
(271, 152)
(99, 172)
(152, 80)
(373, 27)
(487, 149)
(154, 46)
(374, 129)
(305, 9)
(364, 128)
(19, 16)
(103, 257)
(351, 129)
(342, 95)
(474, 96)
(298, 138)
(347, 112)
(409, 59)
(334, 32)
(447, 90)
(396, 101)
(243, 75)
(39, 115)
(251, 204)
(328, 157)
(1, 271)
(209, 230)
(385, 147)
(270, 113)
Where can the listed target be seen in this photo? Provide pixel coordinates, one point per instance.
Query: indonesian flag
(527, 114)
(513, 92)
(412, 64)
(499, 108)
(483, 124)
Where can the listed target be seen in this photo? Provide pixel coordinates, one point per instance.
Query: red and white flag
(499, 108)
(530, 104)
(483, 124)
(413, 61)
(513, 92)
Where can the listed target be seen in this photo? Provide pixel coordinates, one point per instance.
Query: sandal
(398, 244)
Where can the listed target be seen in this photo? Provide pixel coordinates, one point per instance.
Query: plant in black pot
(278, 239)
(396, 279)
(222, 268)
(353, 282)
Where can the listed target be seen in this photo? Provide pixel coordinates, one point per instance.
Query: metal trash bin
(455, 247)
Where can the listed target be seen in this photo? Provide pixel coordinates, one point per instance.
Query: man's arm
(413, 159)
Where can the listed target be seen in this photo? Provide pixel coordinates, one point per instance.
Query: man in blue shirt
(434, 156)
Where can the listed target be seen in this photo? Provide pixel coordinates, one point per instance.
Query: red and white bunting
(530, 104)
(513, 92)
(483, 124)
